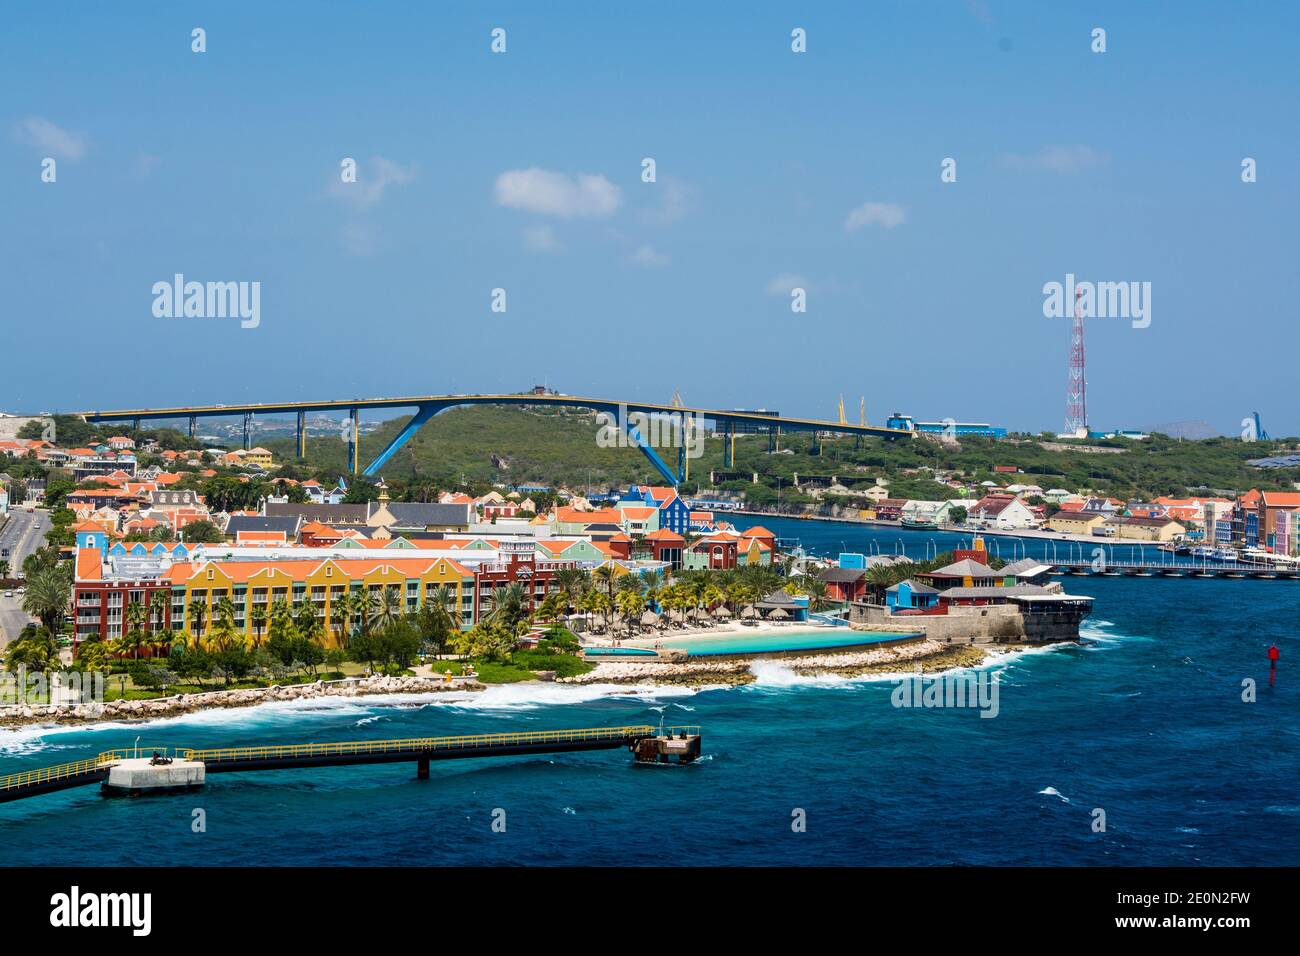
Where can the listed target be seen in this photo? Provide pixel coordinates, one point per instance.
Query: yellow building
(251, 585)
(1147, 529)
(257, 456)
(1076, 522)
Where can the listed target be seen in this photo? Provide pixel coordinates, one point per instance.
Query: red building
(666, 546)
(719, 551)
(100, 602)
(845, 584)
(518, 563)
(890, 509)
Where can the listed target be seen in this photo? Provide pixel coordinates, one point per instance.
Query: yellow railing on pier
(415, 745)
(63, 771)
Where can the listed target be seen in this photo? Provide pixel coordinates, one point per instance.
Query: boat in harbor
(918, 524)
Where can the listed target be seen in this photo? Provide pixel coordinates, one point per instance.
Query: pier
(133, 771)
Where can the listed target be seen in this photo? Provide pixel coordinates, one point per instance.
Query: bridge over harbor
(1156, 569)
(133, 770)
(729, 422)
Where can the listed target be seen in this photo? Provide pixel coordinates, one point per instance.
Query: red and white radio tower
(1076, 392)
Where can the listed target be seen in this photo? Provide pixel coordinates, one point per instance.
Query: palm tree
(224, 610)
(159, 604)
(630, 605)
(137, 612)
(364, 604)
(604, 577)
(653, 581)
(340, 613)
(508, 605)
(815, 588)
(571, 582)
(257, 617)
(304, 617)
(197, 611)
(48, 597)
(713, 596)
(389, 609)
(442, 615)
(587, 604)
(603, 604)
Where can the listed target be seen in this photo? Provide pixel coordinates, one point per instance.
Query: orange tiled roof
(90, 564)
(1281, 499)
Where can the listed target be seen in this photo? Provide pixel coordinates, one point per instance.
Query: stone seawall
(17, 714)
(990, 624)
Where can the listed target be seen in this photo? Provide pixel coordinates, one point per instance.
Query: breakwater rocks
(929, 656)
(17, 714)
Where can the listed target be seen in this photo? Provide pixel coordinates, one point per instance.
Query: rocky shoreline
(15, 715)
(929, 656)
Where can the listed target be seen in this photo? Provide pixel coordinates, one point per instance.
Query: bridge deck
(1156, 569)
(62, 776)
(230, 759)
(448, 401)
(30, 783)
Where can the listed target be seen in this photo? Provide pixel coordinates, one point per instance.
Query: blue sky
(225, 166)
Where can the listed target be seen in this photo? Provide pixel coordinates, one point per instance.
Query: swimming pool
(618, 652)
(773, 643)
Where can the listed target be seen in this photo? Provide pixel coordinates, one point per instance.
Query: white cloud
(885, 214)
(556, 194)
(646, 256)
(50, 139)
(674, 202)
(542, 239)
(1057, 159)
(785, 283)
(373, 179)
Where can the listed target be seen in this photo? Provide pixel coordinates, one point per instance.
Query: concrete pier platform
(138, 775)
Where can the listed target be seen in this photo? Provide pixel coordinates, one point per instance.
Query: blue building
(910, 596)
(957, 429)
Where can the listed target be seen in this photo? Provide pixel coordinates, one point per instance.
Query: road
(22, 534)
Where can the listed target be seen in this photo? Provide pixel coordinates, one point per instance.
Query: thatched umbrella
(722, 612)
(749, 613)
(649, 619)
(777, 615)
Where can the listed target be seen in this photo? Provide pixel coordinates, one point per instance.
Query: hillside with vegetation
(481, 445)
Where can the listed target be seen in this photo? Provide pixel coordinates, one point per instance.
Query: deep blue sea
(1144, 721)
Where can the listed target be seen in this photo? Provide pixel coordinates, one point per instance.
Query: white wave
(1053, 792)
(777, 674)
(370, 720)
(530, 696)
(265, 717)
(570, 811)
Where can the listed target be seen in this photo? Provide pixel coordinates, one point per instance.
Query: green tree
(49, 595)
(257, 617)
